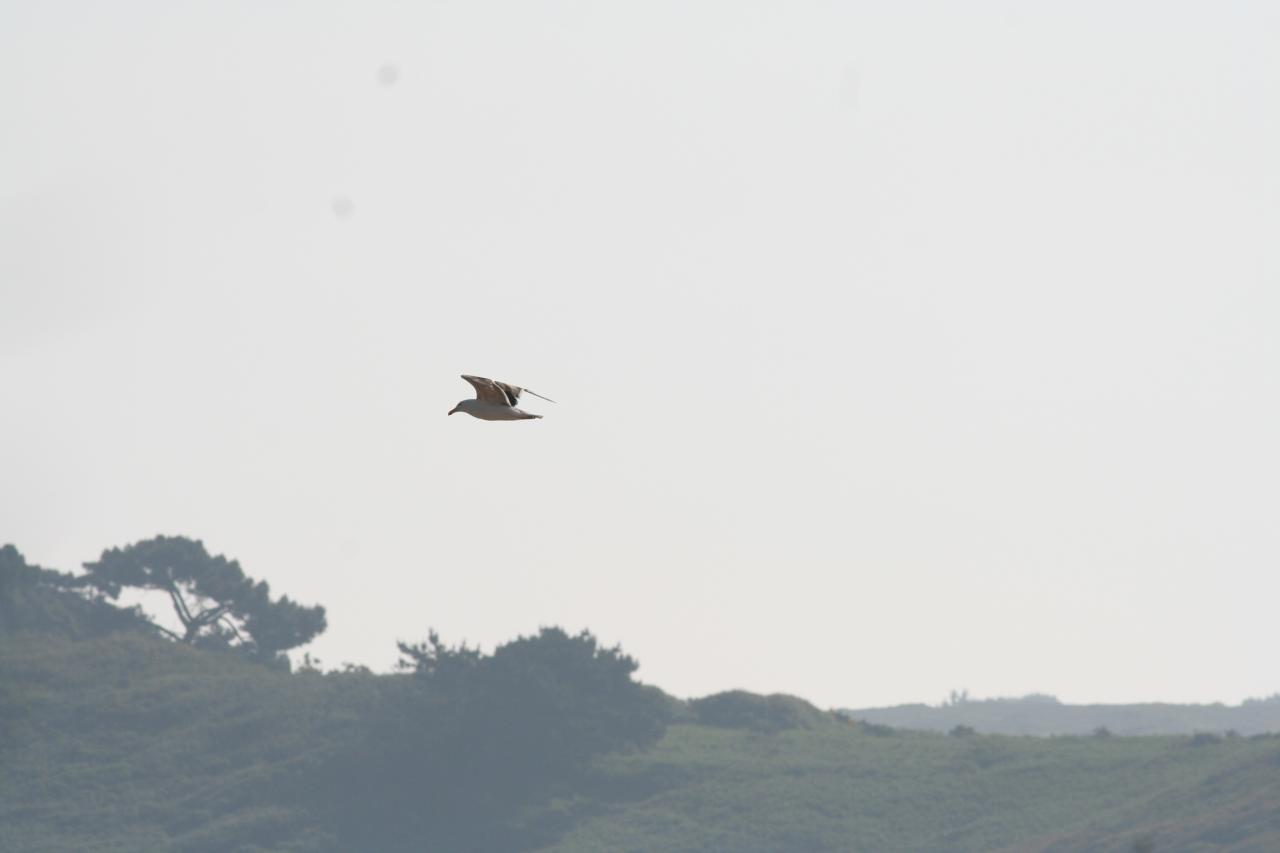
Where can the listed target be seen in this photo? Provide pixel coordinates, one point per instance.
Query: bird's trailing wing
(490, 391)
(499, 393)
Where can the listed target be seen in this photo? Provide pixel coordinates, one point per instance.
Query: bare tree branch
(165, 630)
(179, 604)
(213, 614)
(230, 623)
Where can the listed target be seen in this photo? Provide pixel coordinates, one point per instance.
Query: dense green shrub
(469, 749)
(738, 709)
(51, 602)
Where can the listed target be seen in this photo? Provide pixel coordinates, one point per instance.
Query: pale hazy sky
(900, 347)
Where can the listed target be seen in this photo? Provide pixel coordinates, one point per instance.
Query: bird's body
(486, 411)
(495, 401)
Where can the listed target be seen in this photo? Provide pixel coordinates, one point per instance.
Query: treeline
(216, 604)
(461, 750)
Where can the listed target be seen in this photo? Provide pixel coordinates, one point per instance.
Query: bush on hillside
(466, 752)
(1205, 739)
(738, 709)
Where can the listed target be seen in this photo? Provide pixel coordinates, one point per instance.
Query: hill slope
(842, 787)
(129, 743)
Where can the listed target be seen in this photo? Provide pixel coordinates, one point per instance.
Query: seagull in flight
(495, 401)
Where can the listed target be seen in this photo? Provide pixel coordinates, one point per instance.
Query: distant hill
(1042, 715)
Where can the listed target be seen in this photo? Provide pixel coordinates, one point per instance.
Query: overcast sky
(899, 347)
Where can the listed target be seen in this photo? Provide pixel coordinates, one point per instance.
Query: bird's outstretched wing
(490, 391)
(499, 393)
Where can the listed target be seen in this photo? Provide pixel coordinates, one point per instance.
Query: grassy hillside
(1040, 717)
(843, 787)
(129, 743)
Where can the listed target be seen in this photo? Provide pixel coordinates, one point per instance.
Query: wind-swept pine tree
(215, 602)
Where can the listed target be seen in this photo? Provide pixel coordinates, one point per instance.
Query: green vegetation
(131, 743)
(116, 737)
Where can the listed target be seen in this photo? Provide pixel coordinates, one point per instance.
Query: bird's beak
(454, 409)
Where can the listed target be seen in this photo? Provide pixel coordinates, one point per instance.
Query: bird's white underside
(493, 412)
